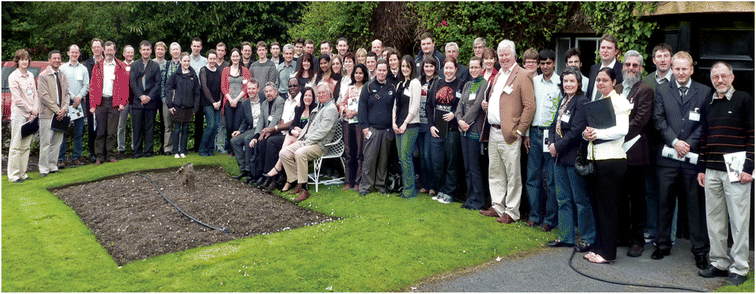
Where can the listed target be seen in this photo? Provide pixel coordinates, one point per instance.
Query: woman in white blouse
(605, 150)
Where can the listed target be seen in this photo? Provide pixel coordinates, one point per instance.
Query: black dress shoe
(635, 251)
(583, 247)
(660, 253)
(701, 261)
(736, 280)
(559, 243)
(259, 183)
(713, 271)
(241, 175)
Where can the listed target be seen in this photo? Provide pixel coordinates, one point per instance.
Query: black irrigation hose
(223, 229)
(624, 283)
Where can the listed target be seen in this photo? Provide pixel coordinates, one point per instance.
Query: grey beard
(630, 80)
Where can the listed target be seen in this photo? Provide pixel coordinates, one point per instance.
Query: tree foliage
(43, 26)
(330, 20)
(528, 24)
(618, 19)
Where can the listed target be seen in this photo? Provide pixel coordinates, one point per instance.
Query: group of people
(605, 185)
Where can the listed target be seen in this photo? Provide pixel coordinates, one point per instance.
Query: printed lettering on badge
(694, 115)
(508, 89)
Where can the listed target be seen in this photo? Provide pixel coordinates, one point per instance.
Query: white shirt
(547, 100)
(668, 76)
(611, 65)
(255, 107)
(108, 77)
(493, 104)
(615, 136)
(289, 106)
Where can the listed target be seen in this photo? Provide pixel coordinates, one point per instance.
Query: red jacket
(120, 85)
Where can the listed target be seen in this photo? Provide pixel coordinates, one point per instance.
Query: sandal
(286, 187)
(273, 172)
(598, 259)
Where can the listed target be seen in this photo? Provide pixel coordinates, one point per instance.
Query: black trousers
(234, 117)
(699, 237)
(199, 127)
(267, 154)
(632, 206)
(605, 195)
(143, 129)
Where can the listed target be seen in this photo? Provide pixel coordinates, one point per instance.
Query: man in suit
(510, 107)
(256, 117)
(608, 51)
(271, 113)
(632, 209)
(677, 115)
(145, 80)
(52, 86)
(662, 59)
(311, 142)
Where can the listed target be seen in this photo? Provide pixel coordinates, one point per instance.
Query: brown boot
(303, 195)
(296, 189)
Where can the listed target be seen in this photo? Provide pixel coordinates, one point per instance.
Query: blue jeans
(404, 144)
(78, 126)
(538, 162)
(212, 117)
(574, 205)
(180, 131)
(444, 155)
(473, 176)
(427, 179)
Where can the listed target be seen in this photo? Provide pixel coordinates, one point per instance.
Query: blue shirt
(547, 100)
(78, 79)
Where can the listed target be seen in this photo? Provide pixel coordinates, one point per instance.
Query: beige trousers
(504, 179)
(727, 203)
(49, 146)
(295, 158)
(18, 154)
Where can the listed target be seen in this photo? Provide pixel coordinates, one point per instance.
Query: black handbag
(583, 166)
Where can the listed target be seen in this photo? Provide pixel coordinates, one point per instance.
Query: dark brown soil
(132, 221)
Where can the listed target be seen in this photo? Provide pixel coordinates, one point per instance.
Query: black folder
(600, 114)
(30, 127)
(441, 124)
(60, 125)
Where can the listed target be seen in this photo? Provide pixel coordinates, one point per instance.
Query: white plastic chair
(334, 149)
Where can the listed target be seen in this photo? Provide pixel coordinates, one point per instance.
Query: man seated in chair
(257, 116)
(311, 143)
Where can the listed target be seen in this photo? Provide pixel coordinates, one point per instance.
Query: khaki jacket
(50, 103)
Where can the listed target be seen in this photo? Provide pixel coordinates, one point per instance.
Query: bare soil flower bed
(132, 221)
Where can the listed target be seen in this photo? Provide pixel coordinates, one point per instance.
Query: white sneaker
(176, 156)
(435, 197)
(183, 155)
(446, 199)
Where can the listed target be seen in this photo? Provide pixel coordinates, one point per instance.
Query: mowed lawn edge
(381, 243)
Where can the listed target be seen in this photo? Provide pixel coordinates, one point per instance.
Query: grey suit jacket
(274, 116)
(321, 128)
(672, 117)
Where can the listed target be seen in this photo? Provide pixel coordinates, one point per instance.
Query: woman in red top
(234, 80)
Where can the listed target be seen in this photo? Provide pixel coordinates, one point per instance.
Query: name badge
(128, 68)
(270, 117)
(472, 97)
(546, 143)
(694, 115)
(632, 105)
(244, 81)
(508, 89)
(565, 118)
(459, 95)
(79, 77)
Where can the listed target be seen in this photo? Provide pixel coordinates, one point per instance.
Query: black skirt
(183, 115)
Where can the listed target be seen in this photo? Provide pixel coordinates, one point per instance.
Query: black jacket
(572, 130)
(183, 91)
(152, 78)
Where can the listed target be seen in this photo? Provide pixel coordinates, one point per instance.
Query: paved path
(547, 271)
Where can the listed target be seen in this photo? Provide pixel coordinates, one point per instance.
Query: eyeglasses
(293, 86)
(632, 65)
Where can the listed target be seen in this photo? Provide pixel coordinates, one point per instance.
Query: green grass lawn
(381, 243)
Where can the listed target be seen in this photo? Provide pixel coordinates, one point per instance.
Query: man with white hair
(510, 110)
(632, 204)
(463, 74)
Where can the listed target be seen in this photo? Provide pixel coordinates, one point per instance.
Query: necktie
(663, 80)
(60, 90)
(683, 92)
